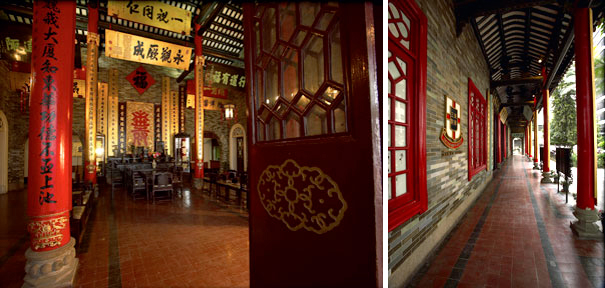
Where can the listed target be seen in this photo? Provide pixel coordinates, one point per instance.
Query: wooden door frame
(373, 91)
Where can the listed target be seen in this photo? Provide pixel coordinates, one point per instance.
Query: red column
(199, 110)
(545, 94)
(585, 106)
(535, 139)
(92, 53)
(505, 141)
(50, 124)
(499, 140)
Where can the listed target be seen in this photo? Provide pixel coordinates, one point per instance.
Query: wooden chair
(162, 182)
(243, 180)
(138, 186)
(116, 174)
(177, 179)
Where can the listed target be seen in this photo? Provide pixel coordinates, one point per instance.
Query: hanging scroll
(144, 50)
(122, 127)
(157, 125)
(166, 114)
(113, 121)
(152, 13)
(182, 106)
(174, 113)
(79, 88)
(102, 109)
(112, 126)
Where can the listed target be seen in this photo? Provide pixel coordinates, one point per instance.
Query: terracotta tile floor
(514, 237)
(193, 241)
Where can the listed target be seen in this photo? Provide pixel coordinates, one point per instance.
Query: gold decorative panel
(301, 197)
(112, 126)
(102, 108)
(166, 115)
(47, 233)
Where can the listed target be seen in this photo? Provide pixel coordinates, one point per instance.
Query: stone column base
(536, 166)
(499, 165)
(54, 268)
(546, 177)
(585, 228)
(198, 183)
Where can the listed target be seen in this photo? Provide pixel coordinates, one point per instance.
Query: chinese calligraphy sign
(145, 50)
(140, 79)
(152, 13)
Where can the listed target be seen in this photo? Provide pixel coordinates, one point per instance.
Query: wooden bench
(80, 213)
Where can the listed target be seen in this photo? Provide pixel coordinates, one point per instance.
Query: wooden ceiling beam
(516, 81)
(468, 9)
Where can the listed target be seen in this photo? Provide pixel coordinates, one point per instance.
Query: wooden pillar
(536, 165)
(546, 177)
(585, 210)
(51, 258)
(198, 169)
(92, 55)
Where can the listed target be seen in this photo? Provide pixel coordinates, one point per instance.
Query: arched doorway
(238, 153)
(3, 153)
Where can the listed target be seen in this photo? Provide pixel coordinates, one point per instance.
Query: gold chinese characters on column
(166, 133)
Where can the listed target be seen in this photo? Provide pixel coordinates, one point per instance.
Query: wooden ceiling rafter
(224, 45)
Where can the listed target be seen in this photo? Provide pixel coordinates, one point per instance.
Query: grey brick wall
(451, 60)
(18, 124)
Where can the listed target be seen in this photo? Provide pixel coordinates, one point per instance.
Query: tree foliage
(563, 127)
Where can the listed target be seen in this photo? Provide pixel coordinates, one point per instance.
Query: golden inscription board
(152, 13)
(166, 133)
(144, 50)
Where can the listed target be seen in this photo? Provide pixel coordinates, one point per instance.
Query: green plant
(601, 160)
(574, 159)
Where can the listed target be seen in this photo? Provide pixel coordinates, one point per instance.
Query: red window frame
(477, 130)
(414, 201)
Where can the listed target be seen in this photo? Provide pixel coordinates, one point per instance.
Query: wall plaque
(451, 135)
(152, 13)
(145, 50)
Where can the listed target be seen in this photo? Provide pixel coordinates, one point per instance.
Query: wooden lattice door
(314, 145)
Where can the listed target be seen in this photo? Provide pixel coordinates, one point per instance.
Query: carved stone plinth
(585, 227)
(536, 166)
(54, 268)
(546, 177)
(198, 183)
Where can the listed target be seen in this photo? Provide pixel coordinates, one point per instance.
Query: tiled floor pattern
(516, 235)
(192, 241)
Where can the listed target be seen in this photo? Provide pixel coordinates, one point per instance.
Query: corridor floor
(516, 235)
(192, 241)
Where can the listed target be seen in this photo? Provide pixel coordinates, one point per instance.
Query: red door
(315, 166)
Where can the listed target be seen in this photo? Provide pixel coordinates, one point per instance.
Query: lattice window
(477, 131)
(406, 106)
(298, 83)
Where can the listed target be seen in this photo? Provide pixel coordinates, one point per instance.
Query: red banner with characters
(140, 124)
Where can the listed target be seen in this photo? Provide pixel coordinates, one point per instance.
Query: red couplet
(585, 109)
(50, 123)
